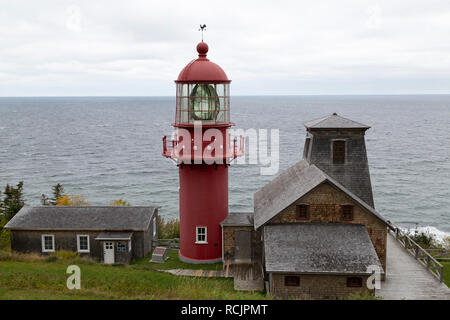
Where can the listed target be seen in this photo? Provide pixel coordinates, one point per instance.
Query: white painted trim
(43, 243)
(206, 235)
(88, 243)
(155, 227)
(223, 260)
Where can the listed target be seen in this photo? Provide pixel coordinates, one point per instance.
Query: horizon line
(237, 95)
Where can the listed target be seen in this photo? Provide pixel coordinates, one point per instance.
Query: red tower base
(203, 203)
(197, 261)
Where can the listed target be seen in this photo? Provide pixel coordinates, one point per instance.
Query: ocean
(108, 148)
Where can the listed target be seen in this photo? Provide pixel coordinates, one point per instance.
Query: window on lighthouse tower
(204, 102)
(201, 235)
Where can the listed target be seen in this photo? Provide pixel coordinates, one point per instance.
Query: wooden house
(110, 234)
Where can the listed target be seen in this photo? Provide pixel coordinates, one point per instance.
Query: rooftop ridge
(335, 121)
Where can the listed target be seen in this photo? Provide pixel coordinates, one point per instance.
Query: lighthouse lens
(204, 104)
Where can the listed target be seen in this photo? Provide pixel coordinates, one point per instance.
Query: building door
(243, 246)
(108, 252)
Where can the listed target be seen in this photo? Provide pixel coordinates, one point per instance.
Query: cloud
(284, 47)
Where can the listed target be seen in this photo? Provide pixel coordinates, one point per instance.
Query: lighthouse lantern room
(202, 148)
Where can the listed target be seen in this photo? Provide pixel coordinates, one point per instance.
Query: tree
(120, 203)
(64, 201)
(13, 200)
(58, 192)
(75, 201)
(44, 200)
(169, 229)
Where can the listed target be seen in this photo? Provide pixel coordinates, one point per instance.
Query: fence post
(428, 261)
(417, 252)
(441, 274)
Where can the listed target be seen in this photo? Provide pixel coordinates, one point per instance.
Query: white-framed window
(155, 227)
(48, 243)
(83, 243)
(201, 235)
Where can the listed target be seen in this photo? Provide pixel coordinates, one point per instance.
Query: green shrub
(51, 258)
(65, 255)
(22, 257)
(363, 296)
(169, 229)
(5, 237)
(5, 255)
(424, 239)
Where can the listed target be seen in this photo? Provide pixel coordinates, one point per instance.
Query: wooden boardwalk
(247, 277)
(197, 273)
(407, 278)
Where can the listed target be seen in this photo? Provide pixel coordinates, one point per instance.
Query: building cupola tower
(337, 146)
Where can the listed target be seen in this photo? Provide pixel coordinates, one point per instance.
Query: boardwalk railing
(168, 243)
(436, 268)
(441, 254)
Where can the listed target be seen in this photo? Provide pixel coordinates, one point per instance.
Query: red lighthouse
(202, 149)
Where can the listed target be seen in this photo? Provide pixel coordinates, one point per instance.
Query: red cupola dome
(202, 70)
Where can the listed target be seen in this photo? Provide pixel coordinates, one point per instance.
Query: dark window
(338, 152)
(302, 212)
(306, 150)
(347, 212)
(291, 281)
(354, 282)
(121, 247)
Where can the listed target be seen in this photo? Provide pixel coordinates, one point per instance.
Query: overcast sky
(84, 48)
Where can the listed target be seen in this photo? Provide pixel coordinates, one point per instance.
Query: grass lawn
(40, 279)
(446, 273)
(173, 263)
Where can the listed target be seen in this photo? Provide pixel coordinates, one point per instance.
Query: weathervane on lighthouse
(202, 28)
(202, 149)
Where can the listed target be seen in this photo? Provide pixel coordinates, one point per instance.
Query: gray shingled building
(316, 223)
(337, 146)
(110, 234)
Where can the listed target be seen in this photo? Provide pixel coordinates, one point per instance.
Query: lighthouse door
(243, 246)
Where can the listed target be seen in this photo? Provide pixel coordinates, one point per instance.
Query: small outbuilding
(110, 234)
(318, 260)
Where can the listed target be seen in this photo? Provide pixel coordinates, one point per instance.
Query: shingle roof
(82, 218)
(238, 219)
(334, 248)
(334, 121)
(291, 185)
